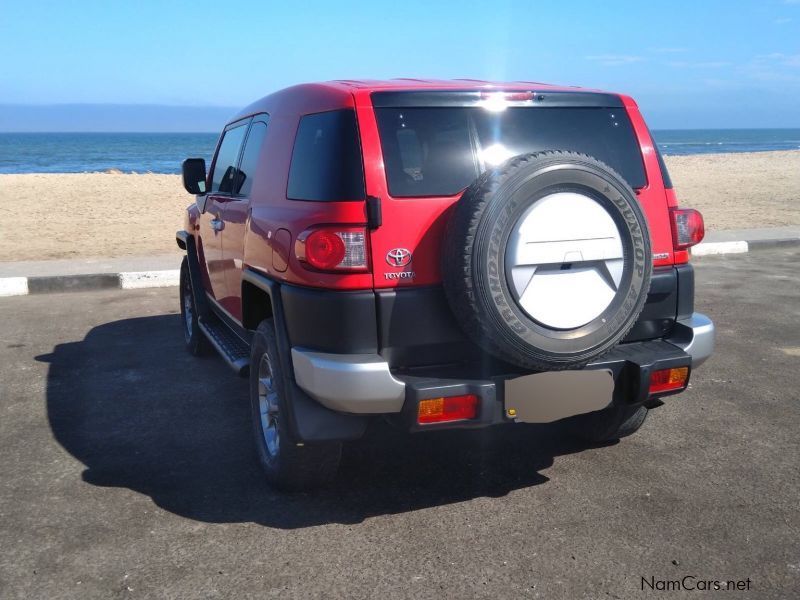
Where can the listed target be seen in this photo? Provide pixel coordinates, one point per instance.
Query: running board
(230, 346)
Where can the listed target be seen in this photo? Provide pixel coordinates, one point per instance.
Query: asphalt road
(127, 470)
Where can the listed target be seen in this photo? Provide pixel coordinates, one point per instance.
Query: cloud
(710, 64)
(782, 21)
(614, 60)
(777, 58)
(775, 67)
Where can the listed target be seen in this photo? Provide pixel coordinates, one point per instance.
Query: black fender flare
(187, 242)
(308, 420)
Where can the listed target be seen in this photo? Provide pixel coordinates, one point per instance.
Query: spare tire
(547, 261)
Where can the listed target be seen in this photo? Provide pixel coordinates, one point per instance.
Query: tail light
(688, 228)
(668, 380)
(452, 408)
(334, 248)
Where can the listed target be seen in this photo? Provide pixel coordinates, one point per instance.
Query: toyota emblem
(399, 257)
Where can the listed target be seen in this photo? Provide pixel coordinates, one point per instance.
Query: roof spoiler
(489, 97)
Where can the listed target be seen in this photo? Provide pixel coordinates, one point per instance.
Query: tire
(287, 465)
(196, 343)
(598, 261)
(608, 425)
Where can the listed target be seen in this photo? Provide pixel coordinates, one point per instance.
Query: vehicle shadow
(140, 413)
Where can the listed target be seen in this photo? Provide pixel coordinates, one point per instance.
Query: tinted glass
(222, 179)
(663, 166)
(247, 169)
(440, 151)
(326, 160)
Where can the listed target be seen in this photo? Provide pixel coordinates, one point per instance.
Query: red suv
(439, 254)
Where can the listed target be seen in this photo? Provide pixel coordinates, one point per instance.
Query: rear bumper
(695, 336)
(364, 383)
(352, 383)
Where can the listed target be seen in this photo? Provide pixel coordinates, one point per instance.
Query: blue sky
(705, 63)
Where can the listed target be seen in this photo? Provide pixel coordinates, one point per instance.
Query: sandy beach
(49, 216)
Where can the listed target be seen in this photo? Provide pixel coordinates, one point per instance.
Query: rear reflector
(668, 380)
(453, 408)
(688, 228)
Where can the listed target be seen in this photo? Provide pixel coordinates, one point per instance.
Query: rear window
(438, 151)
(326, 160)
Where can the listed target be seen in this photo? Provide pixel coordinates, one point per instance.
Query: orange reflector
(667, 380)
(453, 408)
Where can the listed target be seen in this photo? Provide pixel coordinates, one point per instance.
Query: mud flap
(309, 420)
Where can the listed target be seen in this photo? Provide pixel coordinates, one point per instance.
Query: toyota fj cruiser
(439, 254)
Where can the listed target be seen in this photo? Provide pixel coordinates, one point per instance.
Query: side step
(230, 346)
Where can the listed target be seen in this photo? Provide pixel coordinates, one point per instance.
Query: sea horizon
(163, 152)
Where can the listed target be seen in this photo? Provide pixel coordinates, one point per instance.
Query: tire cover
(547, 260)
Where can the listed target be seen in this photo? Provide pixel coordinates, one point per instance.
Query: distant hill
(113, 118)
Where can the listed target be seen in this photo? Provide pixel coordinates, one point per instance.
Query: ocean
(89, 152)
(163, 152)
(711, 141)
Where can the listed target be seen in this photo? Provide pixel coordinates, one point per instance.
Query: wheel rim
(565, 260)
(188, 309)
(268, 406)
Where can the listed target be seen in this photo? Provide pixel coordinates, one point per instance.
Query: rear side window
(439, 151)
(326, 160)
(663, 166)
(224, 175)
(247, 168)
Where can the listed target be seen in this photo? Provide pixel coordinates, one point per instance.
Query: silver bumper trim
(353, 383)
(695, 336)
(363, 384)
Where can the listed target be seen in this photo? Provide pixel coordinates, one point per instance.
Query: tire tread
(462, 234)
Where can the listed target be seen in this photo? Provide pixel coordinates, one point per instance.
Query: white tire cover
(564, 260)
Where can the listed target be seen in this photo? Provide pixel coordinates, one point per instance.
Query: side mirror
(194, 175)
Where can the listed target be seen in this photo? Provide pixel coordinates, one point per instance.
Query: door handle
(217, 224)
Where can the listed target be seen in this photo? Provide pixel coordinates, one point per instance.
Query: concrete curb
(713, 248)
(741, 246)
(22, 286)
(130, 280)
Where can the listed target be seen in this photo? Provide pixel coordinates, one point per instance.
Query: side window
(663, 166)
(222, 179)
(243, 184)
(326, 160)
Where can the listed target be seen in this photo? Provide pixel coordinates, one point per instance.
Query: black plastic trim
(466, 98)
(309, 421)
(181, 237)
(416, 326)
(330, 321)
(232, 349)
(630, 364)
(196, 277)
(658, 315)
(685, 291)
(374, 214)
(422, 388)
